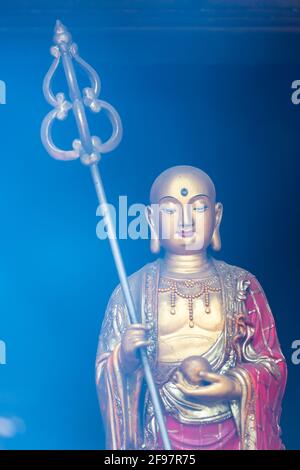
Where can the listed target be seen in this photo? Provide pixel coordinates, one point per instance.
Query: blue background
(216, 100)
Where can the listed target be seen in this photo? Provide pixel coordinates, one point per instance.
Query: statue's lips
(186, 233)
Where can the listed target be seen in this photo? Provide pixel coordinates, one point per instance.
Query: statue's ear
(151, 218)
(216, 238)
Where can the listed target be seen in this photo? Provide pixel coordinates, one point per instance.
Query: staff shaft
(130, 305)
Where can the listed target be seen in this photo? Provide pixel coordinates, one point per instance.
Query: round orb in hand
(191, 368)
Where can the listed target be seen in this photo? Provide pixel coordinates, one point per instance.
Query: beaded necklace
(189, 289)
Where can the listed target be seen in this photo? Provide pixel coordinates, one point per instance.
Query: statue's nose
(186, 221)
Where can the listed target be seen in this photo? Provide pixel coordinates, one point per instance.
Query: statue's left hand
(221, 387)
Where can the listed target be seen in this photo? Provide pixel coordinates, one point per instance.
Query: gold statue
(208, 331)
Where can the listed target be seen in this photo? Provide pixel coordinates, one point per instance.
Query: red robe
(264, 386)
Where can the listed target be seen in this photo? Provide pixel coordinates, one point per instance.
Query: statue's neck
(193, 265)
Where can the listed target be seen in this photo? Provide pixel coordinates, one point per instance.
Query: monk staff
(89, 149)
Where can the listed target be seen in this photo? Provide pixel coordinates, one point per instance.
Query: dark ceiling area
(151, 14)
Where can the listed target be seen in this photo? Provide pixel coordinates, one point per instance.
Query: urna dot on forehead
(182, 182)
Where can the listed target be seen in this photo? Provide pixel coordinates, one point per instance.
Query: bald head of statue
(184, 216)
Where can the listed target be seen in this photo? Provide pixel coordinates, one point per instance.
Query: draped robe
(251, 354)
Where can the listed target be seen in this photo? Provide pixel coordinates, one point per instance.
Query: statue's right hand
(134, 338)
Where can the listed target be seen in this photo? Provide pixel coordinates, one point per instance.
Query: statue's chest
(190, 317)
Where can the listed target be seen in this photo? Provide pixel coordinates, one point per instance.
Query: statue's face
(184, 213)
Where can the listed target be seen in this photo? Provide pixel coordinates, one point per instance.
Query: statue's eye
(200, 208)
(169, 210)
